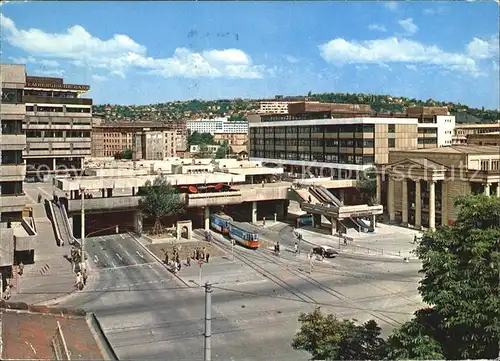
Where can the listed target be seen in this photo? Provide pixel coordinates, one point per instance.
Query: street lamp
(82, 197)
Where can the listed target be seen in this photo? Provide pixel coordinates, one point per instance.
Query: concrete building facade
(418, 187)
(461, 131)
(328, 146)
(58, 126)
(12, 142)
(435, 126)
(147, 140)
(235, 139)
(217, 125)
(492, 139)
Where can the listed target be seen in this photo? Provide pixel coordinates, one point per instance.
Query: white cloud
(291, 59)
(484, 49)
(50, 72)
(97, 77)
(120, 53)
(408, 25)
(393, 50)
(411, 67)
(377, 27)
(391, 5)
(32, 60)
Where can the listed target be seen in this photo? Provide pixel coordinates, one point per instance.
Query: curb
(159, 261)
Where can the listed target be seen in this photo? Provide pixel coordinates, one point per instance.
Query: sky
(151, 52)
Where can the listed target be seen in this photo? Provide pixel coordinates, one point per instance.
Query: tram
(239, 232)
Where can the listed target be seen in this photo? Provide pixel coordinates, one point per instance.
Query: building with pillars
(462, 132)
(418, 187)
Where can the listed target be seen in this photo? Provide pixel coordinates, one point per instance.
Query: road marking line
(43, 191)
(96, 259)
(112, 264)
(106, 255)
(119, 257)
(135, 265)
(139, 254)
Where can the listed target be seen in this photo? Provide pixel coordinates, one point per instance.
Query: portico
(420, 192)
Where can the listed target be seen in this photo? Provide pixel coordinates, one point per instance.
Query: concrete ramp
(302, 195)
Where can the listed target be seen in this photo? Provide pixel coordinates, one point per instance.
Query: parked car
(325, 251)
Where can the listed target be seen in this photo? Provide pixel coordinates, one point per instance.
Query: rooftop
(474, 126)
(460, 149)
(35, 332)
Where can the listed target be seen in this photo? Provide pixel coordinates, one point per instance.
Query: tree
(367, 182)
(127, 154)
(326, 337)
(461, 267)
(160, 199)
(197, 138)
(237, 117)
(222, 151)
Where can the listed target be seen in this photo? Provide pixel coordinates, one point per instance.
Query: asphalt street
(149, 314)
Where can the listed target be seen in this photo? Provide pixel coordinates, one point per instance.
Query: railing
(72, 239)
(50, 206)
(59, 344)
(61, 225)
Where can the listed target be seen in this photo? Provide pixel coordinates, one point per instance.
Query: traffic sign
(200, 262)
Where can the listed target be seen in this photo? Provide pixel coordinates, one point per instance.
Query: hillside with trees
(238, 109)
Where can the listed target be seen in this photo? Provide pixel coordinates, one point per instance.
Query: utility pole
(232, 249)
(82, 197)
(208, 322)
(310, 262)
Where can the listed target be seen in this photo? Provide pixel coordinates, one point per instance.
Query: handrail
(72, 239)
(57, 233)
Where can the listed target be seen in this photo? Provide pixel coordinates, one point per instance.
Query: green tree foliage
(127, 154)
(223, 151)
(367, 182)
(326, 337)
(461, 268)
(237, 118)
(197, 138)
(160, 199)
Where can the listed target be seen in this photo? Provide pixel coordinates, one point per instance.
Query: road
(149, 314)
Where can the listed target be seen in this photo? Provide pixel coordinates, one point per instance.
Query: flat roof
(336, 121)
(456, 149)
(472, 126)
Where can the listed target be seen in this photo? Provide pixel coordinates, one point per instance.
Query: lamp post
(82, 197)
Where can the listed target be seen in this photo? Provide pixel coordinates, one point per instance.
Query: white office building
(216, 126)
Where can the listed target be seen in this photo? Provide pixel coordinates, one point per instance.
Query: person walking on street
(188, 260)
(21, 268)
(166, 258)
(84, 276)
(207, 257)
(296, 248)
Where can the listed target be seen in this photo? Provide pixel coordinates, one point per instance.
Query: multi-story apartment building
(58, 126)
(327, 144)
(216, 125)
(12, 142)
(435, 126)
(418, 187)
(235, 139)
(109, 138)
(461, 131)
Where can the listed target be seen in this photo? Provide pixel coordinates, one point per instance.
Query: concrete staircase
(302, 195)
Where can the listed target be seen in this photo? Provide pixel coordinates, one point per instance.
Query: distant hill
(239, 108)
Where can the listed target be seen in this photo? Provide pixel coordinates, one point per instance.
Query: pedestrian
(188, 260)
(309, 199)
(166, 258)
(296, 248)
(207, 257)
(262, 184)
(263, 221)
(345, 241)
(39, 197)
(197, 254)
(178, 266)
(21, 268)
(84, 276)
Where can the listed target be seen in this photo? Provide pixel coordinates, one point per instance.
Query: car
(325, 251)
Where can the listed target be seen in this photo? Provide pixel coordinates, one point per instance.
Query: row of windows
(314, 157)
(11, 157)
(346, 143)
(56, 134)
(11, 188)
(305, 129)
(31, 108)
(12, 126)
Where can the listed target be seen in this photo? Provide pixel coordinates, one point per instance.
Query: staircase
(302, 195)
(61, 224)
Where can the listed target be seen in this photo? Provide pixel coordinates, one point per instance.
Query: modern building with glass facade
(327, 145)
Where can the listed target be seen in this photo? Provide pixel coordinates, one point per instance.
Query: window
(12, 126)
(392, 143)
(11, 188)
(392, 128)
(12, 157)
(12, 96)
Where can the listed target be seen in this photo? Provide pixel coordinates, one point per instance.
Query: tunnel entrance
(102, 224)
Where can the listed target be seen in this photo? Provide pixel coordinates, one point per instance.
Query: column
(444, 203)
(432, 205)
(342, 195)
(487, 189)
(379, 189)
(373, 222)
(254, 212)
(390, 200)
(418, 204)
(133, 191)
(206, 218)
(498, 190)
(334, 225)
(82, 160)
(404, 203)
(316, 220)
(54, 164)
(138, 222)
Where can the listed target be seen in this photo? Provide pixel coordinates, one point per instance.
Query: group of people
(81, 279)
(198, 254)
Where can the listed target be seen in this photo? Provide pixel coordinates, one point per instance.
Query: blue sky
(148, 52)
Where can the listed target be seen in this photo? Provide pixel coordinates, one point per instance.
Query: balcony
(55, 100)
(12, 141)
(13, 203)
(13, 109)
(12, 172)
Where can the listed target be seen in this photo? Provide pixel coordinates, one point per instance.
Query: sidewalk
(386, 241)
(51, 276)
